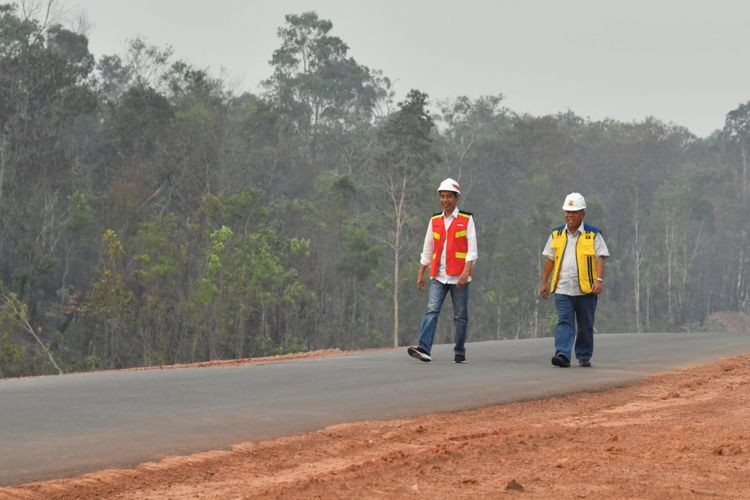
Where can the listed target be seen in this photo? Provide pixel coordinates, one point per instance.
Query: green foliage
(218, 245)
(33, 274)
(13, 357)
(81, 215)
(92, 362)
(110, 301)
(140, 120)
(684, 197)
(317, 86)
(737, 122)
(162, 256)
(361, 258)
(299, 247)
(158, 274)
(21, 349)
(312, 71)
(13, 353)
(406, 139)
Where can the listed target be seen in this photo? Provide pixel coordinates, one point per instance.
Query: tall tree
(737, 128)
(315, 82)
(471, 130)
(110, 305)
(43, 90)
(405, 153)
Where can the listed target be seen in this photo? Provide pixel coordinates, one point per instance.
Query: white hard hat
(450, 185)
(574, 202)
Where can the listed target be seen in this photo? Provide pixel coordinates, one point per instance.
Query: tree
(15, 314)
(43, 92)
(405, 153)
(246, 299)
(42, 86)
(641, 156)
(110, 305)
(683, 217)
(737, 129)
(315, 82)
(358, 263)
(512, 262)
(471, 131)
(159, 276)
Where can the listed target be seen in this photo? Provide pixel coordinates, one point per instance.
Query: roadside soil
(675, 435)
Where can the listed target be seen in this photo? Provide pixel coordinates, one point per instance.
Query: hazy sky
(681, 61)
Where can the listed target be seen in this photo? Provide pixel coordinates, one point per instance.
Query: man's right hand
(544, 291)
(420, 282)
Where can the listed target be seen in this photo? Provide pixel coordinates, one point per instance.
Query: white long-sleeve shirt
(429, 243)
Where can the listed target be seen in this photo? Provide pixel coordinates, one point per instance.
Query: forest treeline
(149, 214)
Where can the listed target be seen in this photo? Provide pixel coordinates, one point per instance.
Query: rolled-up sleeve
(472, 253)
(600, 247)
(547, 252)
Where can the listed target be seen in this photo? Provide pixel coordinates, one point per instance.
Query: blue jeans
(575, 310)
(435, 298)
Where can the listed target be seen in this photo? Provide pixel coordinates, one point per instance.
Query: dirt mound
(727, 321)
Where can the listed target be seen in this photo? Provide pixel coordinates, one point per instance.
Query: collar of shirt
(452, 215)
(579, 230)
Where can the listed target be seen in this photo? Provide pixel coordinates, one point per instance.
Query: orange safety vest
(456, 247)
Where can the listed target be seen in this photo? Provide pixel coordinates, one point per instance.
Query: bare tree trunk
(668, 254)
(744, 170)
(648, 307)
(395, 280)
(239, 346)
(263, 323)
(3, 164)
(740, 283)
(689, 261)
(396, 260)
(637, 287)
(498, 330)
(540, 263)
(637, 265)
(211, 332)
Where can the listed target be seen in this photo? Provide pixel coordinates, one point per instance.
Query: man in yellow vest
(574, 256)
(449, 251)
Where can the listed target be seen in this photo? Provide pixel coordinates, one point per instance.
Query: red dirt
(676, 435)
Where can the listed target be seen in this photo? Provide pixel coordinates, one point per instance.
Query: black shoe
(561, 361)
(584, 363)
(419, 353)
(459, 358)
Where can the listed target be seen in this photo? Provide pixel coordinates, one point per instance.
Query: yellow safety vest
(585, 256)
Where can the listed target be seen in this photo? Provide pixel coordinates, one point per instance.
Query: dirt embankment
(675, 435)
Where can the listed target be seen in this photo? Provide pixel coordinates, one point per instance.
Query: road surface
(60, 426)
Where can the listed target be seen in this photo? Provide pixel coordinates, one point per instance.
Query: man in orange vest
(449, 251)
(574, 256)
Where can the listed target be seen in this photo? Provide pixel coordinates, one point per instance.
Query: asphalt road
(59, 426)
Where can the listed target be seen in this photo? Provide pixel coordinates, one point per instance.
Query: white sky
(681, 61)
